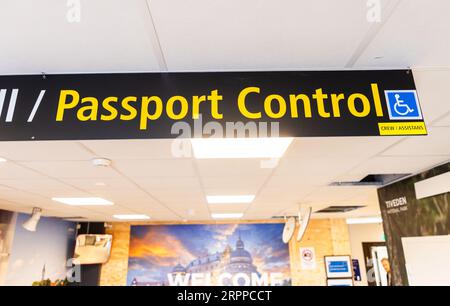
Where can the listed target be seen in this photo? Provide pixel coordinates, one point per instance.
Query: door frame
(368, 255)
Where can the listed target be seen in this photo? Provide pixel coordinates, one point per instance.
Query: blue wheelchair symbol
(403, 104)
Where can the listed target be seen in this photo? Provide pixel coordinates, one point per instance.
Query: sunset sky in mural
(156, 250)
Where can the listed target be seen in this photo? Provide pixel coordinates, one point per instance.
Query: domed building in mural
(179, 269)
(230, 261)
(241, 260)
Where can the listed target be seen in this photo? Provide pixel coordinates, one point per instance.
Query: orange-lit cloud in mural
(159, 247)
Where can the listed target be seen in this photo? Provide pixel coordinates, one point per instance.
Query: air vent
(383, 179)
(74, 218)
(282, 217)
(339, 209)
(373, 180)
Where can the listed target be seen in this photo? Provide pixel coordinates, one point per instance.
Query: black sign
(223, 104)
(406, 216)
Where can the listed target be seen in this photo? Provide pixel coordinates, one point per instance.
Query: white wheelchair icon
(400, 107)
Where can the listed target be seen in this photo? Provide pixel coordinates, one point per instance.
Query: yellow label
(402, 128)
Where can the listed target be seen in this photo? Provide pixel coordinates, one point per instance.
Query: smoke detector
(101, 162)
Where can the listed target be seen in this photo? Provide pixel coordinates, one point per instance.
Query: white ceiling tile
(156, 168)
(111, 210)
(436, 143)
(254, 215)
(283, 195)
(144, 203)
(164, 216)
(132, 149)
(188, 210)
(71, 169)
(337, 147)
(315, 171)
(180, 198)
(293, 182)
(188, 193)
(227, 34)
(432, 86)
(392, 165)
(285, 210)
(168, 183)
(230, 209)
(443, 122)
(110, 37)
(224, 190)
(263, 213)
(231, 183)
(155, 215)
(21, 198)
(45, 187)
(43, 151)
(99, 184)
(369, 198)
(269, 205)
(200, 218)
(128, 200)
(116, 188)
(414, 35)
(9, 170)
(232, 168)
(337, 195)
(152, 208)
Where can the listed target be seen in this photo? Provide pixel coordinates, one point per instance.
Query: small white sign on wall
(308, 258)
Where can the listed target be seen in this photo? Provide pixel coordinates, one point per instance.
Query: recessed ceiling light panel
(207, 148)
(89, 201)
(230, 199)
(227, 216)
(101, 162)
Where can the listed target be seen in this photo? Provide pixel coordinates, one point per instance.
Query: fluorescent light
(131, 217)
(205, 148)
(227, 216)
(2, 160)
(364, 220)
(230, 199)
(83, 201)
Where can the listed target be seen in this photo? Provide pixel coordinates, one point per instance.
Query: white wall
(50, 245)
(427, 261)
(360, 233)
(7, 225)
